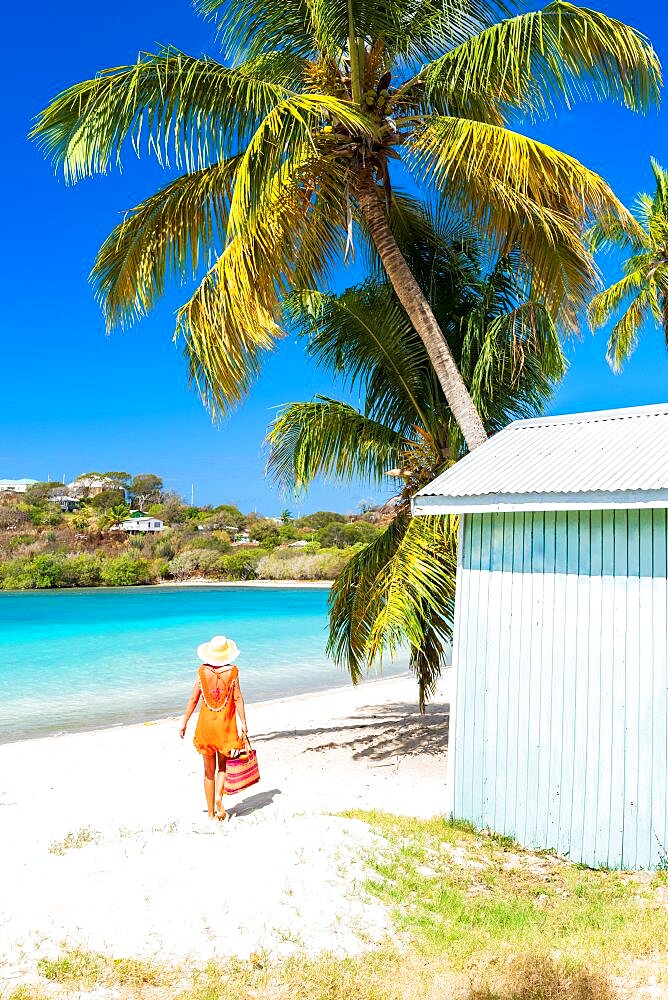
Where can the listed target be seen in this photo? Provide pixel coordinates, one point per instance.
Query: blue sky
(74, 399)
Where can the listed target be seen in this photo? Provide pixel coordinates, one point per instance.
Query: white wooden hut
(559, 721)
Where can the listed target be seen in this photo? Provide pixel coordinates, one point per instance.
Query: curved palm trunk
(411, 297)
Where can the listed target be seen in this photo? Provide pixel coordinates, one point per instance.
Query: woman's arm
(190, 707)
(240, 707)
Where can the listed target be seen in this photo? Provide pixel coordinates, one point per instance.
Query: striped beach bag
(241, 771)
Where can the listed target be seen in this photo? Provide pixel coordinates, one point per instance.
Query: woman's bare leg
(220, 785)
(209, 782)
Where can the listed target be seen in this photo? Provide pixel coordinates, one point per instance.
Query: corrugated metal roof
(605, 452)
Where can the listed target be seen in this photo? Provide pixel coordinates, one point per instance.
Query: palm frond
(331, 439)
(613, 298)
(232, 320)
(609, 232)
(518, 363)
(539, 61)
(624, 334)
(192, 111)
(414, 29)
(284, 143)
(164, 237)
(520, 192)
(636, 296)
(251, 28)
(365, 338)
(397, 595)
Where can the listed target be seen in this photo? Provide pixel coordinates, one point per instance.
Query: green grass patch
(87, 970)
(472, 896)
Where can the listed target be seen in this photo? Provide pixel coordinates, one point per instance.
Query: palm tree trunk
(419, 311)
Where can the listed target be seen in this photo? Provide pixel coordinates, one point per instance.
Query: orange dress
(216, 728)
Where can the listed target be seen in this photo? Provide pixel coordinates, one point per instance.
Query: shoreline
(161, 719)
(198, 581)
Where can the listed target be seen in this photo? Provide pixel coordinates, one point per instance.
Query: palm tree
(642, 294)
(287, 157)
(114, 515)
(399, 589)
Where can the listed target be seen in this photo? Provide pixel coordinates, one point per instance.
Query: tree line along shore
(44, 546)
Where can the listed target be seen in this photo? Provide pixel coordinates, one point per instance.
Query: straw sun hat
(218, 652)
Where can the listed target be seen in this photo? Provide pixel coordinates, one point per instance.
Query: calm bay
(85, 659)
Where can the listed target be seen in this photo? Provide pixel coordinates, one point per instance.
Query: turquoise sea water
(84, 659)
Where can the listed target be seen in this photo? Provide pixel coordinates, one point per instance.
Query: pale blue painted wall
(561, 660)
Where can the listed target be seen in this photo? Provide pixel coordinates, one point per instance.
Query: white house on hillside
(16, 485)
(139, 522)
(559, 715)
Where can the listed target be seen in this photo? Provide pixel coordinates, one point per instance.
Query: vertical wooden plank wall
(561, 723)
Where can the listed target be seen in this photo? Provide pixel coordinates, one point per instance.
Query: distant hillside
(45, 546)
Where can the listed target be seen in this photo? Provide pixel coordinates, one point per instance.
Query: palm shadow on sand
(380, 733)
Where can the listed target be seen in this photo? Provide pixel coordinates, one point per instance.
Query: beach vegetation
(74, 840)
(194, 562)
(241, 565)
(476, 917)
(285, 564)
(82, 969)
(126, 571)
(84, 570)
(641, 295)
(397, 591)
(40, 572)
(291, 154)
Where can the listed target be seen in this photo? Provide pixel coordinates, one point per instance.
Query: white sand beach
(153, 878)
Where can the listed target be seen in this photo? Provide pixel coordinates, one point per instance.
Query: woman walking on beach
(216, 733)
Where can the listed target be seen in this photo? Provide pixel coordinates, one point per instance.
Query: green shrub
(164, 548)
(344, 535)
(194, 562)
(38, 573)
(160, 569)
(220, 541)
(285, 565)
(136, 544)
(82, 571)
(239, 565)
(264, 531)
(125, 571)
(313, 522)
(44, 514)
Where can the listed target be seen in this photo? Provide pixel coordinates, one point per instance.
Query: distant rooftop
(16, 482)
(606, 458)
